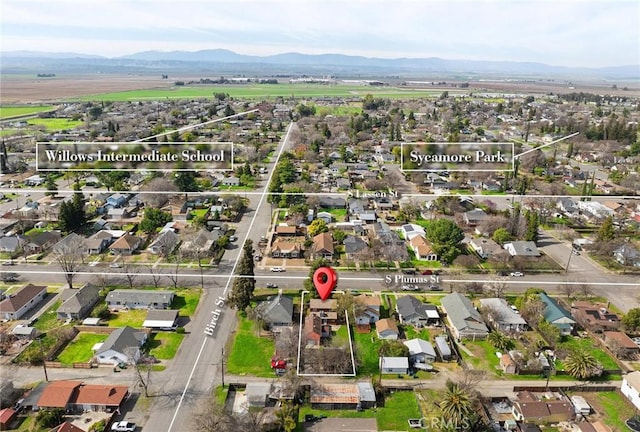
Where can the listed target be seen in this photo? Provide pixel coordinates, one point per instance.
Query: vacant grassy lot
(263, 91)
(484, 355)
(366, 347)
(131, 318)
(186, 300)
(14, 111)
(250, 354)
(164, 346)
(79, 349)
(589, 345)
(55, 124)
(49, 319)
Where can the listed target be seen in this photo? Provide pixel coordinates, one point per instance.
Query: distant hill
(226, 61)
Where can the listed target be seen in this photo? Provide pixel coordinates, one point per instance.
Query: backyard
(164, 346)
(131, 318)
(250, 354)
(79, 349)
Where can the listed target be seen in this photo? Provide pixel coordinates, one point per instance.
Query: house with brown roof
(387, 329)
(323, 246)
(621, 344)
(422, 248)
(540, 409)
(67, 427)
(314, 331)
(79, 397)
(126, 245)
(594, 317)
(507, 364)
(58, 394)
(286, 249)
(343, 396)
(286, 230)
(22, 301)
(325, 309)
(7, 415)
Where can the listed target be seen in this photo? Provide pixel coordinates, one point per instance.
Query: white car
(115, 265)
(123, 426)
(516, 274)
(276, 269)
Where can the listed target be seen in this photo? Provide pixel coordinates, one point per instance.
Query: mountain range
(223, 60)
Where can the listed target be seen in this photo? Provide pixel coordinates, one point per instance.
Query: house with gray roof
(556, 315)
(420, 351)
(465, 321)
(277, 311)
(522, 248)
(353, 245)
(14, 306)
(77, 303)
(164, 243)
(12, 244)
(162, 319)
(41, 241)
(412, 311)
(501, 316)
(139, 299)
(122, 345)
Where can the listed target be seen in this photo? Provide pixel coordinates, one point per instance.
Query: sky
(555, 32)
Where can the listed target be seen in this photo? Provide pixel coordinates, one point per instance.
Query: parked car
(502, 273)
(115, 265)
(435, 288)
(427, 272)
(410, 288)
(409, 271)
(516, 274)
(277, 269)
(123, 426)
(272, 285)
(257, 257)
(10, 277)
(233, 238)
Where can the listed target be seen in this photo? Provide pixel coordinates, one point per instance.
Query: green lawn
(484, 355)
(366, 347)
(398, 408)
(14, 111)
(186, 300)
(164, 346)
(250, 354)
(616, 410)
(412, 333)
(55, 124)
(49, 319)
(338, 214)
(131, 318)
(587, 344)
(79, 349)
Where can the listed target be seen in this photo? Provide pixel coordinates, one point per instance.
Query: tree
(158, 192)
(631, 321)
(245, 283)
(48, 418)
(457, 406)
(287, 416)
(500, 341)
(532, 226)
(185, 181)
(70, 256)
(50, 184)
(501, 235)
(606, 232)
(154, 218)
(445, 236)
(581, 364)
(393, 348)
(72, 216)
(113, 180)
(316, 227)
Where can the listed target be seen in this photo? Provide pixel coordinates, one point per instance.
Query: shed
(161, 319)
(258, 394)
(24, 332)
(91, 321)
(442, 346)
(580, 405)
(6, 417)
(394, 365)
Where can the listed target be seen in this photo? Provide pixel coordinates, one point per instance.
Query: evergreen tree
(244, 285)
(51, 186)
(606, 231)
(533, 223)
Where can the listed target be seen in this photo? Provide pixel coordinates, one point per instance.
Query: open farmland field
(264, 91)
(18, 111)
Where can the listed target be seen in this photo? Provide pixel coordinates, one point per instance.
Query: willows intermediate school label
(128, 156)
(461, 156)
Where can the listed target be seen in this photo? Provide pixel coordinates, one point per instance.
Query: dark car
(409, 271)
(427, 272)
(272, 285)
(503, 273)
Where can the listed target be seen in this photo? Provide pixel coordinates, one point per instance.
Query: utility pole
(44, 363)
(222, 366)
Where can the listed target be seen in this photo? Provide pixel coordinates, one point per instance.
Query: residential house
(326, 217)
(204, 241)
(594, 317)
(387, 237)
(387, 329)
(412, 311)
(25, 332)
(286, 249)
(75, 396)
(165, 243)
(77, 303)
(325, 309)
(7, 416)
(41, 241)
(522, 248)
(257, 393)
(22, 301)
(631, 388)
(531, 408)
(323, 246)
(354, 246)
(286, 230)
(126, 245)
(98, 243)
(501, 316)
(118, 214)
(122, 346)
(567, 206)
(555, 314)
(507, 364)
(139, 299)
(58, 394)
(420, 351)
(360, 395)
(465, 321)
(627, 255)
(422, 248)
(486, 248)
(393, 365)
(12, 244)
(162, 319)
(332, 202)
(369, 312)
(276, 311)
(117, 200)
(474, 217)
(314, 331)
(621, 344)
(231, 181)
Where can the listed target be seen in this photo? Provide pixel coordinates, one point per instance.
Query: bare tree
(70, 257)
(568, 290)
(212, 417)
(584, 290)
(130, 272)
(155, 276)
(158, 192)
(177, 256)
(101, 280)
(142, 369)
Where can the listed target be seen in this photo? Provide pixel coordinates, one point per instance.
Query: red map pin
(325, 280)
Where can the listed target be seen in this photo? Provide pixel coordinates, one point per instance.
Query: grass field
(366, 347)
(49, 319)
(55, 124)
(15, 111)
(79, 349)
(250, 354)
(265, 91)
(186, 300)
(131, 318)
(616, 410)
(587, 344)
(164, 346)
